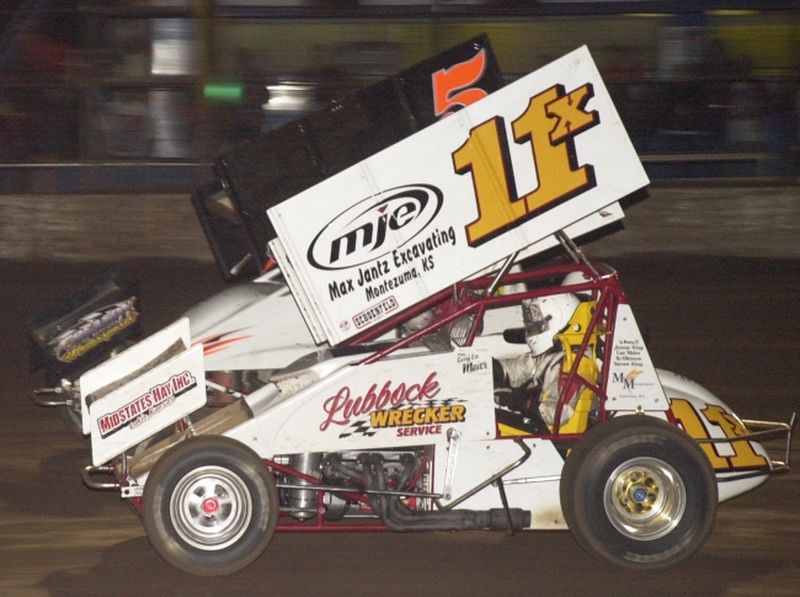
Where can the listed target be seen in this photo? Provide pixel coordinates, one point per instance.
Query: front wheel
(638, 492)
(210, 506)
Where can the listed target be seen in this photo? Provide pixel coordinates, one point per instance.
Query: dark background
(144, 94)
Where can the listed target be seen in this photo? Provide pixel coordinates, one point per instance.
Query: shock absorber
(303, 502)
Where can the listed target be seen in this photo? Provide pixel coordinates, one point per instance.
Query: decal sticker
(218, 342)
(632, 379)
(95, 328)
(698, 425)
(453, 86)
(376, 312)
(411, 421)
(341, 407)
(472, 363)
(411, 410)
(360, 428)
(418, 416)
(358, 235)
(145, 406)
(549, 124)
(626, 380)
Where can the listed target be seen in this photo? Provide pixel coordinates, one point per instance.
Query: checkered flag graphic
(438, 402)
(361, 427)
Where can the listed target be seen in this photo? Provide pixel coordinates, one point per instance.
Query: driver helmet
(545, 317)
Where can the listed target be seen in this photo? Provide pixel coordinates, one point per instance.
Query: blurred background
(100, 95)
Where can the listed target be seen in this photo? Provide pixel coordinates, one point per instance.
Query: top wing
(540, 155)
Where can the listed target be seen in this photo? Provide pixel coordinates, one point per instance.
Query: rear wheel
(210, 506)
(639, 492)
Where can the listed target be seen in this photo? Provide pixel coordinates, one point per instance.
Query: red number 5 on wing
(451, 86)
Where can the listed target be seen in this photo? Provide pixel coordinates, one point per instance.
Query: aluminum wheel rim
(211, 508)
(645, 498)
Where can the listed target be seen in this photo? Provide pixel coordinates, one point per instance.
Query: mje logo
(358, 235)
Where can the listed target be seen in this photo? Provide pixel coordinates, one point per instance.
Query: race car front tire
(210, 506)
(639, 493)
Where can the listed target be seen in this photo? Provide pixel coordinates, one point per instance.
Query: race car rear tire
(210, 506)
(638, 492)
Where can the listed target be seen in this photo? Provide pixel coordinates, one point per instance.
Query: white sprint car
(396, 369)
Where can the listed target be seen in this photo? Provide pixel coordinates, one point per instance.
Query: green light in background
(223, 92)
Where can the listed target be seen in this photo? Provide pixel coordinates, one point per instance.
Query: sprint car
(396, 368)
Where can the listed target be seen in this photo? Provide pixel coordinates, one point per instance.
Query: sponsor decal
(628, 360)
(356, 240)
(628, 380)
(375, 312)
(550, 123)
(698, 423)
(419, 431)
(358, 235)
(342, 407)
(145, 406)
(411, 421)
(472, 363)
(94, 329)
(629, 353)
(426, 420)
(413, 410)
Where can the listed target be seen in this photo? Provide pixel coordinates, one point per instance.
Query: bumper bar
(769, 430)
(762, 430)
(90, 473)
(40, 400)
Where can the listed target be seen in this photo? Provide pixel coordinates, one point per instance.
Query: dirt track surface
(730, 324)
